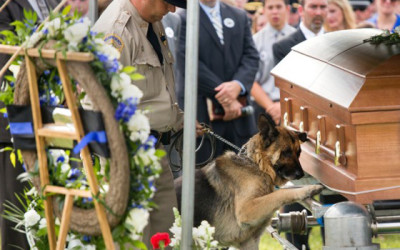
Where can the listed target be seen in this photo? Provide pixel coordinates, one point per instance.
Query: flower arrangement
(72, 33)
(203, 236)
(386, 37)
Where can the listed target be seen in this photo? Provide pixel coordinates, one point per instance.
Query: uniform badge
(115, 41)
(169, 32)
(228, 22)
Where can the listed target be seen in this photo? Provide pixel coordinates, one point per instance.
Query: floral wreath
(72, 33)
(386, 37)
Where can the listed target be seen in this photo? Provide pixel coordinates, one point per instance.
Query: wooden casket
(346, 95)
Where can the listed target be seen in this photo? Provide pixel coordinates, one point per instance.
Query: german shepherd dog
(235, 193)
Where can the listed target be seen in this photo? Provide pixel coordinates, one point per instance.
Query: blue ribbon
(21, 128)
(94, 136)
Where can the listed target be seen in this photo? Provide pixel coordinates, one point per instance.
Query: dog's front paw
(309, 191)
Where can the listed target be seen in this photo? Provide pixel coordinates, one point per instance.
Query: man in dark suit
(313, 13)
(228, 62)
(8, 173)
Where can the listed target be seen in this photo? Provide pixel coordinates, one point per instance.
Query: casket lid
(341, 67)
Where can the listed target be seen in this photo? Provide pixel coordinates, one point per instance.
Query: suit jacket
(283, 47)
(13, 11)
(237, 59)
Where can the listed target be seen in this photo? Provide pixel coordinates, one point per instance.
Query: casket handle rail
(287, 116)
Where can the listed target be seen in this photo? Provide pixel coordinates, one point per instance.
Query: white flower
(121, 86)
(138, 218)
(385, 33)
(397, 30)
(32, 192)
(105, 188)
(65, 168)
(139, 126)
(34, 39)
(42, 223)
(31, 217)
(146, 156)
(14, 69)
(59, 155)
(107, 50)
(53, 26)
(131, 91)
(76, 32)
(90, 247)
(118, 82)
(75, 243)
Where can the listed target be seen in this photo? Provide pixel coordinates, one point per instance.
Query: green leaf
(66, 10)
(3, 110)
(12, 158)
(128, 69)
(139, 244)
(136, 76)
(10, 78)
(160, 153)
(19, 154)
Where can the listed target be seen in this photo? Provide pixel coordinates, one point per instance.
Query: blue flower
(87, 200)
(75, 173)
(134, 205)
(46, 72)
(45, 31)
(57, 79)
(150, 143)
(24, 166)
(125, 110)
(87, 238)
(60, 159)
(93, 33)
(12, 84)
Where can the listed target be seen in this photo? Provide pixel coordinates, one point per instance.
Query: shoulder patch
(115, 41)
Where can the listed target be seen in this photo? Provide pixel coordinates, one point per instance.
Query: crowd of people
(239, 44)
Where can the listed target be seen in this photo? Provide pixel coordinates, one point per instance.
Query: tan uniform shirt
(126, 30)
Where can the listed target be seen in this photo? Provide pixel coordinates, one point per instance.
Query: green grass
(315, 241)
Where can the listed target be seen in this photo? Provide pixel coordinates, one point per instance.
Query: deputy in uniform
(134, 28)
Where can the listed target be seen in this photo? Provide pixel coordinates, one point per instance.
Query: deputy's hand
(275, 111)
(199, 129)
(227, 92)
(232, 110)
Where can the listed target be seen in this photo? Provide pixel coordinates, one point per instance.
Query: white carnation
(139, 126)
(34, 39)
(59, 155)
(14, 69)
(90, 247)
(42, 223)
(131, 91)
(108, 50)
(76, 32)
(118, 82)
(75, 243)
(397, 30)
(54, 26)
(65, 168)
(31, 217)
(138, 218)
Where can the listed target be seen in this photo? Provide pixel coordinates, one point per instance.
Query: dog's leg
(257, 210)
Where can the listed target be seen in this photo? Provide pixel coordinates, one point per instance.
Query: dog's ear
(267, 128)
(302, 136)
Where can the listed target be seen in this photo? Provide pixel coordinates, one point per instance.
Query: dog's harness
(176, 142)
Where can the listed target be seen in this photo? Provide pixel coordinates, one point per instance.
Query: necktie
(216, 21)
(43, 8)
(152, 37)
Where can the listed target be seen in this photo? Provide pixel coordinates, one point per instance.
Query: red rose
(158, 237)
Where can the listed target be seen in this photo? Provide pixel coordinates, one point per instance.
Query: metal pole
(92, 14)
(191, 63)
